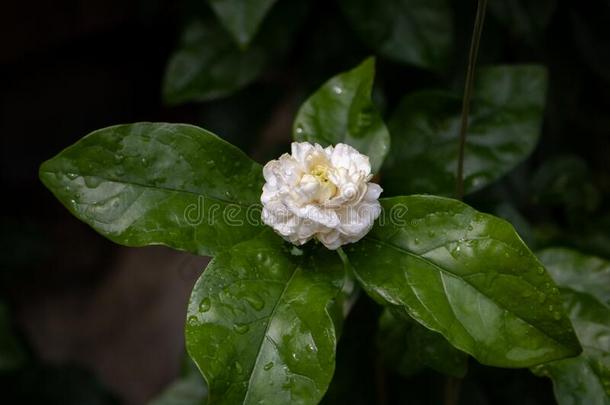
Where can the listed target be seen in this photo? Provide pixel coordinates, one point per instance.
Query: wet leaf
(341, 111)
(585, 286)
(159, 184)
(408, 347)
(262, 323)
(466, 275)
(415, 32)
(505, 123)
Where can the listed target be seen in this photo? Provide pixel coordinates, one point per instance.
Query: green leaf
(566, 181)
(241, 17)
(466, 275)
(188, 389)
(208, 64)
(415, 32)
(341, 111)
(12, 353)
(159, 184)
(262, 323)
(579, 272)
(409, 347)
(505, 123)
(585, 286)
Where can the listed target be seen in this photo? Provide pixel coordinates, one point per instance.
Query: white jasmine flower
(321, 193)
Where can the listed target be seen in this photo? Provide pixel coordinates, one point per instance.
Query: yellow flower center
(327, 187)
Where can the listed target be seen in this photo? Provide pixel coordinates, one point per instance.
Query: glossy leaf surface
(159, 184)
(505, 123)
(262, 324)
(341, 111)
(466, 275)
(415, 32)
(241, 17)
(585, 285)
(408, 347)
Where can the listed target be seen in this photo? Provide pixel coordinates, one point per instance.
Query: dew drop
(268, 366)
(255, 302)
(241, 329)
(192, 320)
(204, 305)
(92, 182)
(337, 89)
(470, 228)
(299, 129)
(309, 348)
(416, 241)
(72, 176)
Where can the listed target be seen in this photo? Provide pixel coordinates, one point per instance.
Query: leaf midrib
(264, 335)
(148, 186)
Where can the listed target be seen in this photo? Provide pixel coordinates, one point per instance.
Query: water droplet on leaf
(241, 329)
(204, 305)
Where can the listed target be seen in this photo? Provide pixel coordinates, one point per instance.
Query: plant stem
(472, 61)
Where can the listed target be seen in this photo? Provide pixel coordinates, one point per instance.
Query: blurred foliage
(237, 65)
(188, 389)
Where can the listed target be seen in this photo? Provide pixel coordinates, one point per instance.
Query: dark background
(102, 323)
